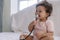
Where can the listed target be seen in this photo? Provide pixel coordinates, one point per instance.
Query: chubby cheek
(43, 15)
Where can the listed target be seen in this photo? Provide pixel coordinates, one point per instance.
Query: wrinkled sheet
(14, 36)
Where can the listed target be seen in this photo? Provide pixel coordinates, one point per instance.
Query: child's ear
(47, 14)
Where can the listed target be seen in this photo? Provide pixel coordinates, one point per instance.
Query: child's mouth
(38, 15)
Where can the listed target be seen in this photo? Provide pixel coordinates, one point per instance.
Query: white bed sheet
(14, 36)
(9, 36)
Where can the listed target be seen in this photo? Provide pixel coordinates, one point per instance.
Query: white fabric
(14, 36)
(20, 21)
(9, 36)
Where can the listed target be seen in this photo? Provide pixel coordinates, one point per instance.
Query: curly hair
(47, 5)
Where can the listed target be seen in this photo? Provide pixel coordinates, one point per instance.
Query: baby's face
(41, 12)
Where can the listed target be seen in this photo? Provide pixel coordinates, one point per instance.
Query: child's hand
(35, 22)
(40, 34)
(31, 25)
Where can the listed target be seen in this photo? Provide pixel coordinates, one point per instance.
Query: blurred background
(15, 15)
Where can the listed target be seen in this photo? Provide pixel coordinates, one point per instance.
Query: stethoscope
(36, 16)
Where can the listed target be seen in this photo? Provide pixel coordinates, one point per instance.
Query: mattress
(14, 36)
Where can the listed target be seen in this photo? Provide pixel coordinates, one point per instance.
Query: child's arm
(40, 35)
(45, 36)
(30, 26)
(50, 28)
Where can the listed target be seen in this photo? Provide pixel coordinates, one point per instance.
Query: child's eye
(40, 11)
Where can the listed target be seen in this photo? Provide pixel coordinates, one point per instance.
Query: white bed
(14, 36)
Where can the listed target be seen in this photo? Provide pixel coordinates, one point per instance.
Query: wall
(1, 12)
(6, 16)
(56, 19)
